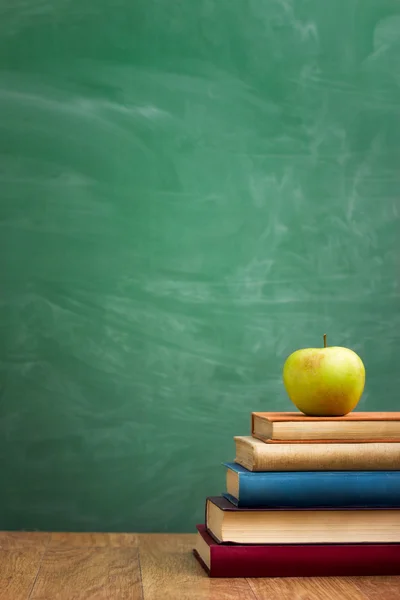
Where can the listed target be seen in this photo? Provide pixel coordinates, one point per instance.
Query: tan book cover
(255, 455)
(297, 428)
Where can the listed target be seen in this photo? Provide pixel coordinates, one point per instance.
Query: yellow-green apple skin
(324, 381)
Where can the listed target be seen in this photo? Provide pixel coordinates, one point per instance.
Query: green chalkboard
(189, 191)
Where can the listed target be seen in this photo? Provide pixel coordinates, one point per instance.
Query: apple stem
(324, 340)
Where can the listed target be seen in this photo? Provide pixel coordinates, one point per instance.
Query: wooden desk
(50, 566)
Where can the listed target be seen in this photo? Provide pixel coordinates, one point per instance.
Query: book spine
(305, 560)
(320, 457)
(319, 489)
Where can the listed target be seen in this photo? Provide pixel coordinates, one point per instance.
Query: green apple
(326, 381)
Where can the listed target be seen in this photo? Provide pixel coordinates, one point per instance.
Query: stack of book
(308, 496)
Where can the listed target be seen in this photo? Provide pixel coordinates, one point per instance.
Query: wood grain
(95, 540)
(170, 572)
(18, 569)
(298, 588)
(13, 540)
(79, 573)
(78, 566)
(378, 588)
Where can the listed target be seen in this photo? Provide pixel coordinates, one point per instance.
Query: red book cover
(295, 560)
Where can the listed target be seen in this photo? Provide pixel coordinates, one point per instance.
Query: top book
(293, 427)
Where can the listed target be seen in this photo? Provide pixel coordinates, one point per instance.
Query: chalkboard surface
(189, 191)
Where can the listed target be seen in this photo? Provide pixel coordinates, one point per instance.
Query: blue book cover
(312, 489)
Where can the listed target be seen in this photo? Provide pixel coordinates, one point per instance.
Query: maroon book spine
(300, 560)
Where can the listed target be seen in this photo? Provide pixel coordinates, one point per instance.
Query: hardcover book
(255, 455)
(295, 560)
(228, 523)
(296, 428)
(312, 489)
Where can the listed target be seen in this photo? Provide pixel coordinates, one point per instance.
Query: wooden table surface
(49, 566)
